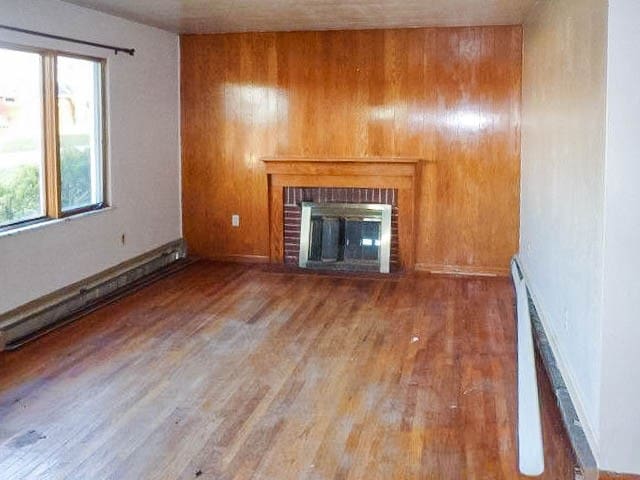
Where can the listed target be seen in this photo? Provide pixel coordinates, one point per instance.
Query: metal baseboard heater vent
(36, 318)
(587, 468)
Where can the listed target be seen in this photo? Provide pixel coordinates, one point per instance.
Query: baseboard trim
(478, 271)
(67, 304)
(570, 419)
(467, 270)
(240, 258)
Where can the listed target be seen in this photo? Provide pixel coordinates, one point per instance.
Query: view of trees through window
(21, 136)
(79, 126)
(22, 194)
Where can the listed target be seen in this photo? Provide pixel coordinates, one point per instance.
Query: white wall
(620, 397)
(580, 233)
(144, 160)
(562, 197)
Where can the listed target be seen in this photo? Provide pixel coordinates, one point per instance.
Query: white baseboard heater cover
(530, 447)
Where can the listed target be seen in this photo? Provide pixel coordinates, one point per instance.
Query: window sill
(47, 222)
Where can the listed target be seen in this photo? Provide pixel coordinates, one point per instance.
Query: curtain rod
(130, 51)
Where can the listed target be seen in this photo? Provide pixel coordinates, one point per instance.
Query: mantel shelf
(343, 160)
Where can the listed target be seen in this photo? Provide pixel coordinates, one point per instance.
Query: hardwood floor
(233, 372)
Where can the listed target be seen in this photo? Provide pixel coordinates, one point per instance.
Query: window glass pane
(80, 129)
(21, 137)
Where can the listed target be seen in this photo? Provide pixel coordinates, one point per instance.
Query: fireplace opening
(345, 236)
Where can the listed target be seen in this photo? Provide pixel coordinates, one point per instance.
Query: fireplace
(328, 202)
(291, 181)
(345, 236)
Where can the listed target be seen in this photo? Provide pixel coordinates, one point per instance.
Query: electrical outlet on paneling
(235, 220)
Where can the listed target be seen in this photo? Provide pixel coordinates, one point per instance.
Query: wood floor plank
(226, 371)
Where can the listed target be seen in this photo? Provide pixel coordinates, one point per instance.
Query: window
(21, 137)
(80, 132)
(51, 136)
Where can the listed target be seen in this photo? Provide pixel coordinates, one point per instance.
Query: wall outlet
(235, 220)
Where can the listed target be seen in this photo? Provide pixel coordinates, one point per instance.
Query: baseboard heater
(36, 318)
(530, 448)
(586, 468)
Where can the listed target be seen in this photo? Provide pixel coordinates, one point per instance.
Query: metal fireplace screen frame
(372, 212)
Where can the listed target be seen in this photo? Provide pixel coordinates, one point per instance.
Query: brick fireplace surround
(294, 196)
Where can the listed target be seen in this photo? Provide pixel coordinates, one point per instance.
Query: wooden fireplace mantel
(400, 173)
(342, 159)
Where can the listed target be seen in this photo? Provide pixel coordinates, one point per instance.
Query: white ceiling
(213, 16)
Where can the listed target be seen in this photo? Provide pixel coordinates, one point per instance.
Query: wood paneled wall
(450, 95)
